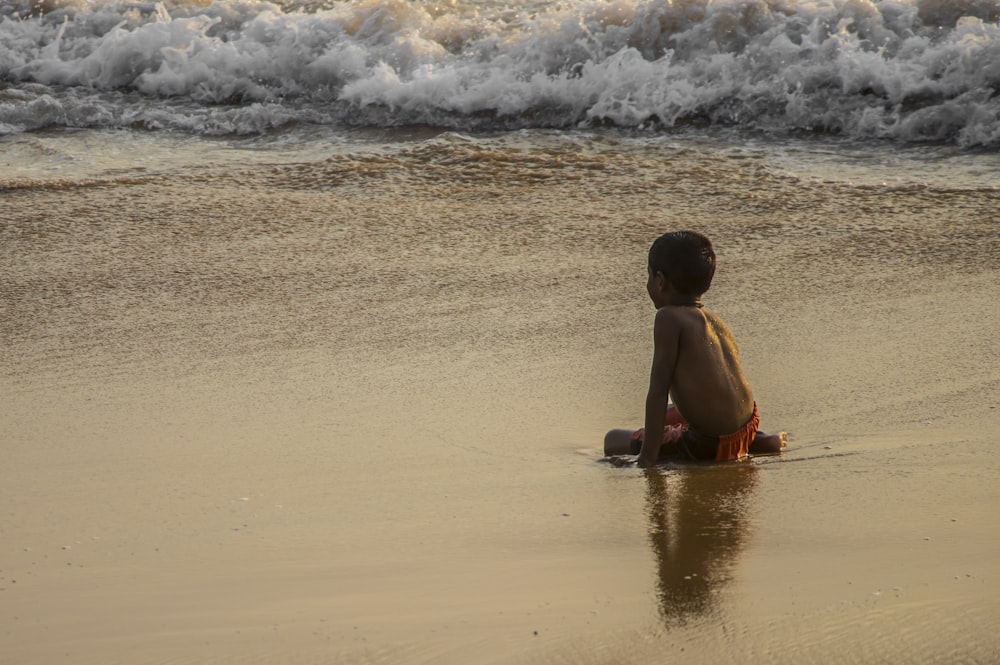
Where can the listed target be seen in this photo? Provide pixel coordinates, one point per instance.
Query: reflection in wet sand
(697, 528)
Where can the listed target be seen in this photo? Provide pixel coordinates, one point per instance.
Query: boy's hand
(644, 463)
(621, 460)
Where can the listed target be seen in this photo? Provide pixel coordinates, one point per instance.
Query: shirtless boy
(695, 360)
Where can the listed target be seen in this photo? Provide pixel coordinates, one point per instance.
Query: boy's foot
(768, 444)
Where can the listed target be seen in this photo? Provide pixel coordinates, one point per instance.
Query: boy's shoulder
(691, 320)
(674, 321)
(681, 314)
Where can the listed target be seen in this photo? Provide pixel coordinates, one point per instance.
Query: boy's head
(685, 259)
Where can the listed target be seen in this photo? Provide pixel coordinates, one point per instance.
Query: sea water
(786, 120)
(340, 298)
(478, 131)
(854, 81)
(904, 70)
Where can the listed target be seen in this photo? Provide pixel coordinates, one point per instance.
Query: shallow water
(292, 379)
(349, 405)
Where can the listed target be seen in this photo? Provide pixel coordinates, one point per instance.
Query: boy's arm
(666, 337)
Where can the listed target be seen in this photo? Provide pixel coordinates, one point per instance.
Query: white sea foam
(913, 70)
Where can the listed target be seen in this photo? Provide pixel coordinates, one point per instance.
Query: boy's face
(655, 286)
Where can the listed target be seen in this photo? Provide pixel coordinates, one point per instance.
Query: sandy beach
(349, 410)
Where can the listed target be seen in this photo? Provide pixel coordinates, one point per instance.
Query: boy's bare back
(707, 381)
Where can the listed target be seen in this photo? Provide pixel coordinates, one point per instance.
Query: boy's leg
(627, 442)
(768, 444)
(618, 442)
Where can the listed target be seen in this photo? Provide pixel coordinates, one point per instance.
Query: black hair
(686, 259)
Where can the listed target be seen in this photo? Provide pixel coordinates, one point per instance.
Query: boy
(694, 359)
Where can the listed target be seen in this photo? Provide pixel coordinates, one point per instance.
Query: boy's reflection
(697, 525)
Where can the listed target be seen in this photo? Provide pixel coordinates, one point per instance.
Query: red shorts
(679, 438)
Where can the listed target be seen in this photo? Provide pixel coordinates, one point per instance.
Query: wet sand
(351, 411)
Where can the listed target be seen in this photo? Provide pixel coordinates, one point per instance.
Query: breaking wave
(909, 70)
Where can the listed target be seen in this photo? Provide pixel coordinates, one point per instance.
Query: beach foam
(901, 70)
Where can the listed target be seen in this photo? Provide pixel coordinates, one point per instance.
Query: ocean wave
(910, 70)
